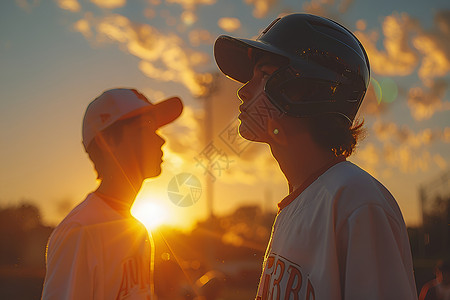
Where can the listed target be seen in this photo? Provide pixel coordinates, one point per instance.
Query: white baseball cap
(122, 103)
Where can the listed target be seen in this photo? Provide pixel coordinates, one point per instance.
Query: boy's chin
(153, 173)
(253, 135)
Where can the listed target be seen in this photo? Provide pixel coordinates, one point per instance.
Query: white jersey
(341, 237)
(98, 253)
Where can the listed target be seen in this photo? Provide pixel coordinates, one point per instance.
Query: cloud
(83, 26)
(440, 162)
(369, 157)
(229, 24)
(407, 45)
(200, 36)
(391, 132)
(410, 49)
(425, 102)
(109, 4)
(406, 159)
(345, 5)
(188, 16)
(403, 158)
(398, 57)
(191, 4)
(186, 134)
(434, 45)
(327, 8)
(261, 7)
(318, 7)
(164, 56)
(402, 149)
(71, 5)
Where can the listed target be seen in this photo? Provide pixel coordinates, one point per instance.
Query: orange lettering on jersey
(266, 278)
(276, 282)
(124, 283)
(134, 276)
(283, 279)
(133, 270)
(144, 282)
(310, 292)
(294, 276)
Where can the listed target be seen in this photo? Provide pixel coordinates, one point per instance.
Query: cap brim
(163, 112)
(234, 58)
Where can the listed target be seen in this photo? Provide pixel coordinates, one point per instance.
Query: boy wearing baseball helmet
(339, 234)
(99, 251)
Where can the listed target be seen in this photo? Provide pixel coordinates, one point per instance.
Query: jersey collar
(294, 194)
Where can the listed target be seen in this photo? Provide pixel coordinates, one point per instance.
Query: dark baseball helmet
(326, 70)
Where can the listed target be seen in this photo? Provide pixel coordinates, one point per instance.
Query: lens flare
(151, 214)
(386, 89)
(377, 89)
(389, 90)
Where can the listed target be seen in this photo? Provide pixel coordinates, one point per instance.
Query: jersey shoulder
(351, 187)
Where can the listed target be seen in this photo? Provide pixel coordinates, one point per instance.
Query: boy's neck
(299, 160)
(122, 192)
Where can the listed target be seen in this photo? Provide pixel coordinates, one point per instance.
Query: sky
(57, 56)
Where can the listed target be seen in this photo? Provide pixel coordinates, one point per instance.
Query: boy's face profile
(256, 111)
(139, 152)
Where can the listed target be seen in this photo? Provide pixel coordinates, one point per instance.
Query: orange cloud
(327, 8)
(188, 16)
(434, 45)
(200, 36)
(261, 7)
(435, 61)
(229, 24)
(398, 57)
(402, 149)
(391, 132)
(163, 56)
(83, 27)
(109, 4)
(407, 45)
(71, 5)
(409, 48)
(191, 4)
(369, 157)
(424, 102)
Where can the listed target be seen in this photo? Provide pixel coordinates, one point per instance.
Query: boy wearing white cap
(99, 251)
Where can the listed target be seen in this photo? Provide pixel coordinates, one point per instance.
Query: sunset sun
(151, 214)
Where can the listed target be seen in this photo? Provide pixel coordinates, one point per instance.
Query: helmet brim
(234, 56)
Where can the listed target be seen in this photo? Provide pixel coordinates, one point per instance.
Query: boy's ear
(277, 132)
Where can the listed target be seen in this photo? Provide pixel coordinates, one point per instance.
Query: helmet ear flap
(301, 96)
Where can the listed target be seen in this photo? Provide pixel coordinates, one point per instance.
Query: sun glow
(151, 214)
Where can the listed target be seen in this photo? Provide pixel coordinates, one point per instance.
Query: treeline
(221, 255)
(220, 252)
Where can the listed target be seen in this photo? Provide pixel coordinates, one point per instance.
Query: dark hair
(335, 133)
(97, 155)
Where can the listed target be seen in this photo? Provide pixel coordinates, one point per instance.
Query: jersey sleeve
(372, 251)
(71, 265)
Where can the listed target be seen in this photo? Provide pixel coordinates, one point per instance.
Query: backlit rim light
(151, 214)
